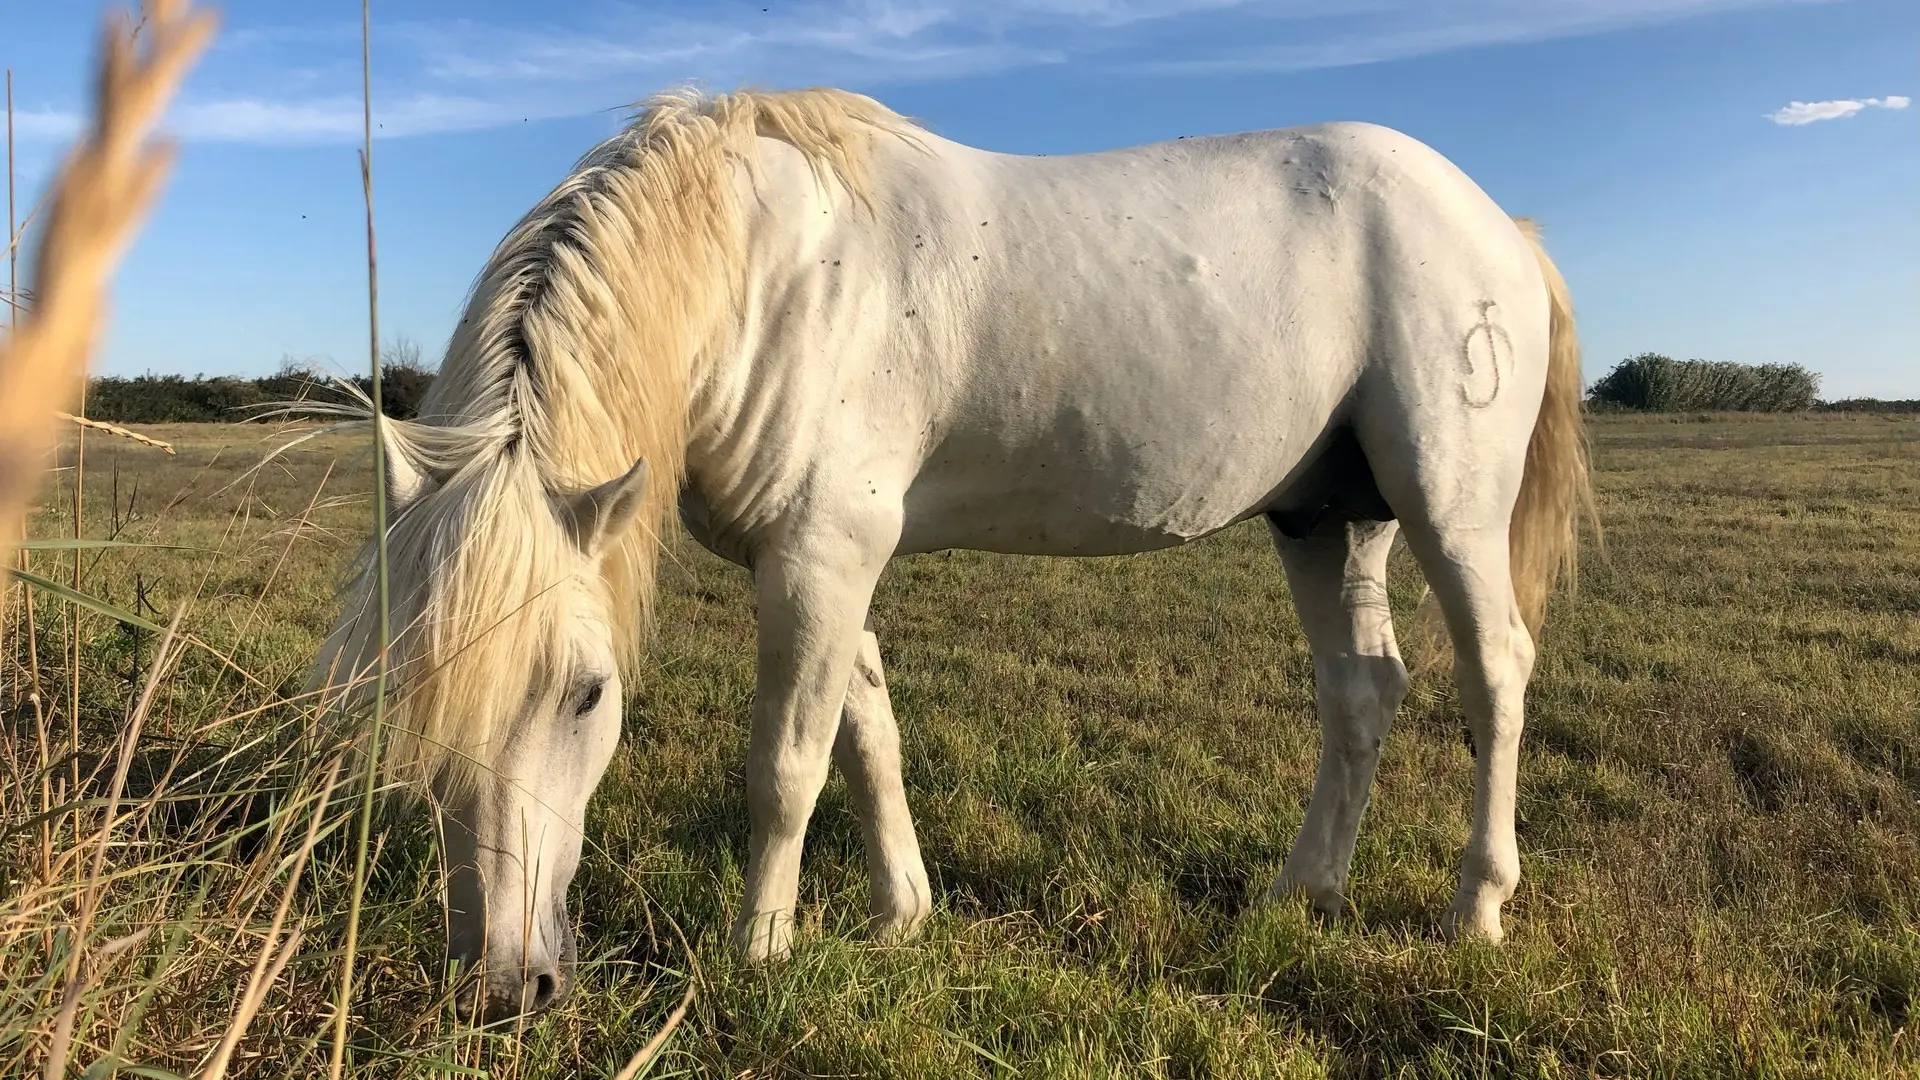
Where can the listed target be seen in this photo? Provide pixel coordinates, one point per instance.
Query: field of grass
(1719, 806)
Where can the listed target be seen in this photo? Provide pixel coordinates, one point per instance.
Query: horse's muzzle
(519, 991)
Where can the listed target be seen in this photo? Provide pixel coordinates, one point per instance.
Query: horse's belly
(1062, 500)
(1039, 522)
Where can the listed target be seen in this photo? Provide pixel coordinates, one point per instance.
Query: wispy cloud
(45, 125)
(340, 119)
(317, 120)
(299, 84)
(1807, 112)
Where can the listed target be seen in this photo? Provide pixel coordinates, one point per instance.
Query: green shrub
(1654, 383)
(175, 399)
(156, 399)
(1872, 405)
(402, 386)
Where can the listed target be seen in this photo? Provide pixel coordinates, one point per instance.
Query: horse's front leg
(868, 753)
(813, 585)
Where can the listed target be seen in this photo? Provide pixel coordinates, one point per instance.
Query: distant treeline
(1651, 382)
(1646, 383)
(1654, 383)
(1872, 405)
(175, 399)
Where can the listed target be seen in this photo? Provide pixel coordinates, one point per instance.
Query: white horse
(825, 337)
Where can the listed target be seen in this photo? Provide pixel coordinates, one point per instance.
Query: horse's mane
(580, 344)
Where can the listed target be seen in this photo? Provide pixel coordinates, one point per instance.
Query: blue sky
(1695, 208)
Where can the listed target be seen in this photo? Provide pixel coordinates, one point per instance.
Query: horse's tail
(1555, 491)
(1543, 541)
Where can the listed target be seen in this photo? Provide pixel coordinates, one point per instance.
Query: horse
(822, 336)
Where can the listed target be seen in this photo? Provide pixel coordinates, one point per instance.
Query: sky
(1722, 179)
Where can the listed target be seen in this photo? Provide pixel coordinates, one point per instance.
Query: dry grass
(1720, 800)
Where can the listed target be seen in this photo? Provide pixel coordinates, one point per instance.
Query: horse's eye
(587, 703)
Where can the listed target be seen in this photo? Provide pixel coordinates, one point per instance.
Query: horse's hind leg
(1455, 492)
(867, 750)
(1470, 575)
(1338, 579)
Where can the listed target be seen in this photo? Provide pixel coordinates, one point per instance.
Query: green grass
(1719, 806)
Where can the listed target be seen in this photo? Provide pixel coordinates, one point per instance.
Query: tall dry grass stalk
(343, 1004)
(118, 431)
(12, 299)
(13, 224)
(96, 202)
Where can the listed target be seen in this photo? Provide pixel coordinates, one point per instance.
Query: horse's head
(505, 695)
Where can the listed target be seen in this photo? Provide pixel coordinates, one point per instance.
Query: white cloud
(45, 125)
(340, 119)
(299, 84)
(1378, 31)
(318, 120)
(1806, 112)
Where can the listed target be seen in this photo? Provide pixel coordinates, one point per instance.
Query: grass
(1719, 806)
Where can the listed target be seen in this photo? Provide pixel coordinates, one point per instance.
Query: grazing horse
(824, 337)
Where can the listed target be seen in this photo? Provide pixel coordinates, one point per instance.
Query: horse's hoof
(1469, 920)
(1326, 898)
(899, 913)
(765, 939)
(897, 927)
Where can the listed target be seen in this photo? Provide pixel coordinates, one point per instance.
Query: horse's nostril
(545, 988)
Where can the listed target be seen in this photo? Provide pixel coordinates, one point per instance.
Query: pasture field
(1719, 805)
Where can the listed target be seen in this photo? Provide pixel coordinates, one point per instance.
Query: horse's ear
(406, 480)
(599, 514)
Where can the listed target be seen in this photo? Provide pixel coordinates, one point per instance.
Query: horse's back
(1137, 347)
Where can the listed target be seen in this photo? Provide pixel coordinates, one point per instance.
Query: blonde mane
(581, 341)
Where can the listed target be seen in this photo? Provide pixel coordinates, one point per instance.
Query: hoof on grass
(1327, 899)
(1469, 920)
(764, 939)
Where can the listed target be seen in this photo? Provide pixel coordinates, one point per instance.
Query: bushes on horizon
(176, 399)
(402, 388)
(165, 399)
(1648, 382)
(1873, 405)
(1654, 383)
